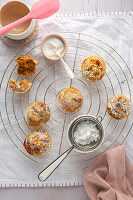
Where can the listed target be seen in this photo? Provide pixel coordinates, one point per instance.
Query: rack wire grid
(50, 78)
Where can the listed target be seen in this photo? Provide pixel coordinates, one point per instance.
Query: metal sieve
(74, 145)
(89, 147)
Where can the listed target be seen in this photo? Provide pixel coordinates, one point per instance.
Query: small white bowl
(63, 53)
(10, 8)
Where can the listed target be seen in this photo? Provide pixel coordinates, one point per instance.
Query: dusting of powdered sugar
(86, 132)
(119, 103)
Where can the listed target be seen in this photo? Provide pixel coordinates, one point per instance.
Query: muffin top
(119, 107)
(37, 114)
(70, 99)
(93, 68)
(37, 143)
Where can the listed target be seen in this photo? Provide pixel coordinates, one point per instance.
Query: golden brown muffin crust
(38, 142)
(37, 114)
(93, 68)
(70, 99)
(119, 107)
(20, 87)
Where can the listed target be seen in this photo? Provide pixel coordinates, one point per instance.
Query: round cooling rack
(50, 78)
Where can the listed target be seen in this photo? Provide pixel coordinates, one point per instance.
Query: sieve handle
(100, 119)
(51, 168)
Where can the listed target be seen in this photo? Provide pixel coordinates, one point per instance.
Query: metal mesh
(48, 81)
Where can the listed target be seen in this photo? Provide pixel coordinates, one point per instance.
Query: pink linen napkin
(110, 177)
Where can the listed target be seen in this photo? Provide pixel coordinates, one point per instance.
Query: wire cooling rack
(50, 78)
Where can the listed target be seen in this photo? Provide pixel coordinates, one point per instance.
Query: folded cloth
(110, 177)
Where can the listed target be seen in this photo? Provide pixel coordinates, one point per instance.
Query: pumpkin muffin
(70, 99)
(93, 68)
(37, 114)
(26, 65)
(20, 87)
(37, 142)
(119, 107)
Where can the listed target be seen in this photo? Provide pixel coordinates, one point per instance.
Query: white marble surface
(77, 193)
